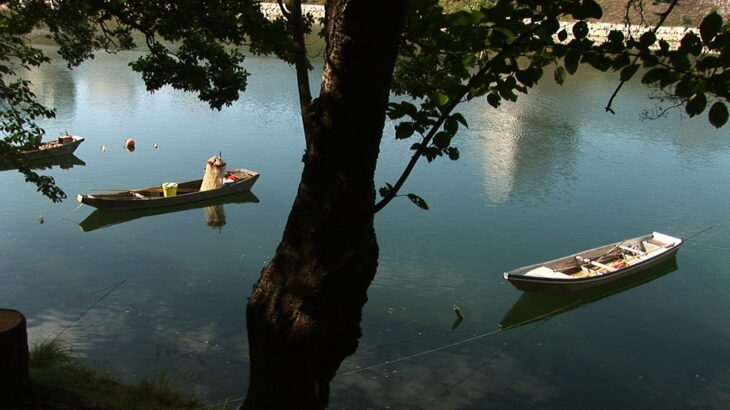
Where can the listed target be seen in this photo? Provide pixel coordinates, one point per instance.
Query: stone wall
(598, 31)
(272, 10)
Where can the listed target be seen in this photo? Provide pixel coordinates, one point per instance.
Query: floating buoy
(129, 144)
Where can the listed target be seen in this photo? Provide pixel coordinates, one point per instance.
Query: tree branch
(663, 18)
(453, 102)
(301, 62)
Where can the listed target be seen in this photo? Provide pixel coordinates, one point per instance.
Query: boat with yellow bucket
(234, 181)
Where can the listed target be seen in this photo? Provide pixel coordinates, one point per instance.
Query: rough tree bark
(14, 377)
(304, 313)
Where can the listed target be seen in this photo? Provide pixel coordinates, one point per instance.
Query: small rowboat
(153, 197)
(595, 267)
(102, 218)
(63, 145)
(532, 307)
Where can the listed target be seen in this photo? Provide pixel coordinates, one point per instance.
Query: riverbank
(62, 382)
(598, 31)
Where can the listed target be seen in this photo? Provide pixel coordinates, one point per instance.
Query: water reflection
(63, 162)
(212, 209)
(526, 149)
(54, 87)
(532, 307)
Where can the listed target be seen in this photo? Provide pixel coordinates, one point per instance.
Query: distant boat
(63, 145)
(153, 197)
(101, 218)
(595, 267)
(532, 307)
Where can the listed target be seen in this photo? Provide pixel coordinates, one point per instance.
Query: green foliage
(501, 49)
(53, 365)
(19, 109)
(451, 51)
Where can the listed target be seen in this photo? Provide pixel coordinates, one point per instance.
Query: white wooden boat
(153, 197)
(595, 267)
(532, 306)
(63, 145)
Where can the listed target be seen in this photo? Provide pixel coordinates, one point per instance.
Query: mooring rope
(88, 309)
(72, 211)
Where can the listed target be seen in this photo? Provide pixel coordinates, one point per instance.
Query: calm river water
(538, 179)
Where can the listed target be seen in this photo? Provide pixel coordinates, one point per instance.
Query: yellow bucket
(169, 189)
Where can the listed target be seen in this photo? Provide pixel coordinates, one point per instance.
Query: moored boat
(238, 180)
(63, 145)
(595, 267)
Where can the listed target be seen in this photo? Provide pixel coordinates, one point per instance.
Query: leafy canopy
(493, 49)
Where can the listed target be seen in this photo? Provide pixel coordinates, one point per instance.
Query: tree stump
(14, 376)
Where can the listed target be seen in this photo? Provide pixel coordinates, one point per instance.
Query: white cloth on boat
(545, 272)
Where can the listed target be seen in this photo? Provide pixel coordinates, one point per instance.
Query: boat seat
(632, 250)
(545, 272)
(652, 245)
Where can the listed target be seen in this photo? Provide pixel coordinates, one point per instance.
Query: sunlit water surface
(537, 179)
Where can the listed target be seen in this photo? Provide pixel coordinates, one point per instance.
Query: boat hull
(521, 281)
(57, 151)
(123, 201)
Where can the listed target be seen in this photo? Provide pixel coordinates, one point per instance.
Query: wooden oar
(156, 189)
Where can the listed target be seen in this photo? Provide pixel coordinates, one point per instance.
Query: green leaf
(708, 63)
(580, 30)
(494, 100)
(691, 43)
(469, 60)
(616, 36)
(386, 190)
(560, 75)
(460, 118)
(629, 72)
(718, 114)
(562, 35)
(679, 60)
(404, 130)
(710, 26)
(655, 75)
(441, 99)
(418, 201)
(696, 104)
(453, 153)
(509, 36)
(647, 39)
(685, 88)
(462, 18)
(591, 9)
(442, 139)
(451, 126)
(572, 61)
(551, 25)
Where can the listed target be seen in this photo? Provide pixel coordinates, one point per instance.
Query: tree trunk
(304, 313)
(14, 377)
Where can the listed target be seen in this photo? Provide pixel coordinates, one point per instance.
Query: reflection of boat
(64, 145)
(532, 307)
(63, 162)
(595, 267)
(153, 197)
(102, 219)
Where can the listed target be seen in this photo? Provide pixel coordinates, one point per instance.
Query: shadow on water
(532, 307)
(63, 162)
(213, 210)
